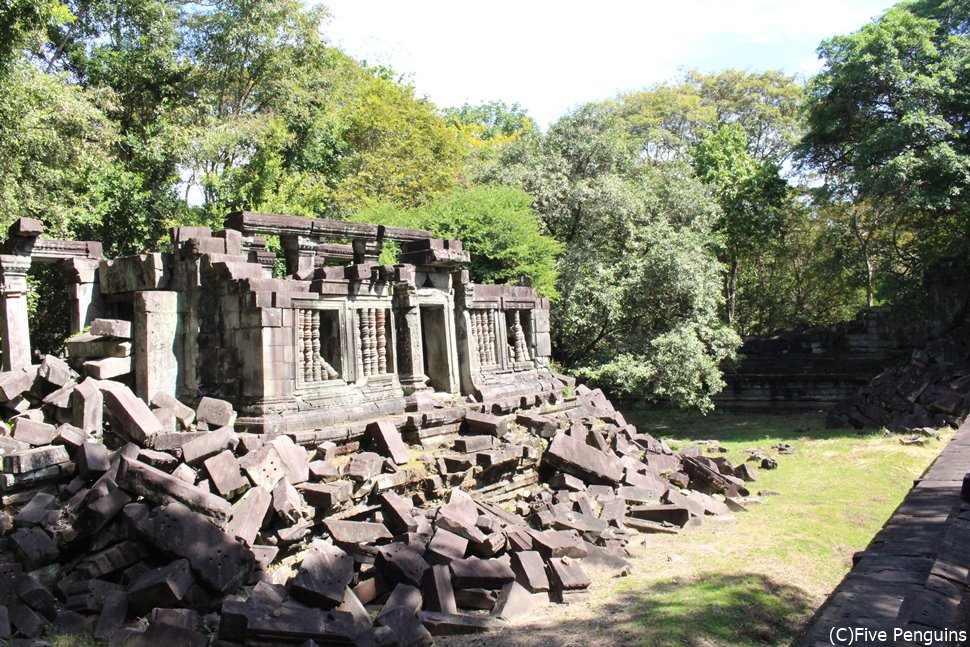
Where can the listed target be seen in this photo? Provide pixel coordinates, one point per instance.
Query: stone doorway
(434, 342)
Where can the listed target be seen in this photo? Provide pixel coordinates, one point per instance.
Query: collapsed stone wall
(930, 389)
(143, 523)
(352, 454)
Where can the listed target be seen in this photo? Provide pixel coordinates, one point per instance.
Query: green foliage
(54, 137)
(886, 124)
(669, 118)
(639, 285)
(496, 225)
(22, 26)
(751, 195)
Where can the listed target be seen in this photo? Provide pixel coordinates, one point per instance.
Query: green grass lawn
(758, 578)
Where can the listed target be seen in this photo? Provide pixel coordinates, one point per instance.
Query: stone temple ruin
(353, 454)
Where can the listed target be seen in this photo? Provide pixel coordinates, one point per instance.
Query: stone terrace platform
(913, 574)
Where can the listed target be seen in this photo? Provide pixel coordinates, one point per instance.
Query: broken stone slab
(446, 546)
(473, 572)
(438, 592)
(34, 433)
(86, 406)
(400, 627)
(287, 502)
(558, 543)
(579, 459)
(447, 624)
(224, 473)
(264, 467)
(486, 423)
(538, 424)
(402, 563)
(70, 436)
(155, 485)
(324, 497)
(295, 460)
(219, 560)
(60, 398)
(398, 513)
(88, 346)
(197, 450)
(32, 460)
(356, 532)
(365, 465)
(387, 439)
(403, 597)
(108, 368)
(248, 515)
(34, 548)
(513, 602)
(35, 511)
(215, 412)
(482, 599)
(662, 513)
(166, 586)
(183, 413)
(130, 412)
(256, 624)
(566, 574)
(56, 371)
(15, 382)
(323, 576)
(116, 328)
(530, 571)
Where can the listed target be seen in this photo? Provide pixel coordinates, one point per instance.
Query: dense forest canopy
(665, 223)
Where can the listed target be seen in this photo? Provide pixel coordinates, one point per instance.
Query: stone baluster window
(519, 323)
(374, 341)
(483, 333)
(318, 345)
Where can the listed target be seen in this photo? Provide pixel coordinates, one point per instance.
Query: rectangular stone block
(155, 485)
(323, 576)
(35, 459)
(387, 439)
(33, 432)
(115, 328)
(579, 459)
(248, 514)
(131, 413)
(107, 368)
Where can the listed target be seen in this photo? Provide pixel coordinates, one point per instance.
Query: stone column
(155, 334)
(301, 254)
(14, 327)
(410, 354)
(86, 302)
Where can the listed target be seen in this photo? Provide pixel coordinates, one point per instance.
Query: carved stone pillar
(410, 354)
(301, 254)
(14, 328)
(86, 303)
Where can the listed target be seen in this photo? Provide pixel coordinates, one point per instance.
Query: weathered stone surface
(323, 576)
(224, 473)
(365, 465)
(33, 432)
(402, 563)
(155, 485)
(438, 592)
(15, 382)
(35, 511)
(446, 624)
(486, 423)
(295, 461)
(530, 571)
(108, 368)
(473, 572)
(387, 439)
(116, 328)
(356, 532)
(579, 459)
(248, 514)
(215, 412)
(34, 459)
(566, 573)
(513, 602)
(130, 412)
(160, 587)
(446, 546)
(197, 450)
(56, 371)
(220, 561)
(34, 547)
(86, 406)
(183, 413)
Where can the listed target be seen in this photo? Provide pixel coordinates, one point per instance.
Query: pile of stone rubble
(930, 390)
(159, 523)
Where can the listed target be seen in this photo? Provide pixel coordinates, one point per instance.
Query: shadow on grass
(741, 427)
(714, 609)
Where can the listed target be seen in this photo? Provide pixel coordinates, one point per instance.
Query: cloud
(550, 56)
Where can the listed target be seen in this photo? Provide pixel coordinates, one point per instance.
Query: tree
(886, 127)
(638, 281)
(751, 195)
(668, 119)
(497, 226)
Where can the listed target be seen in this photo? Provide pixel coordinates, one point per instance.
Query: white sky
(551, 56)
